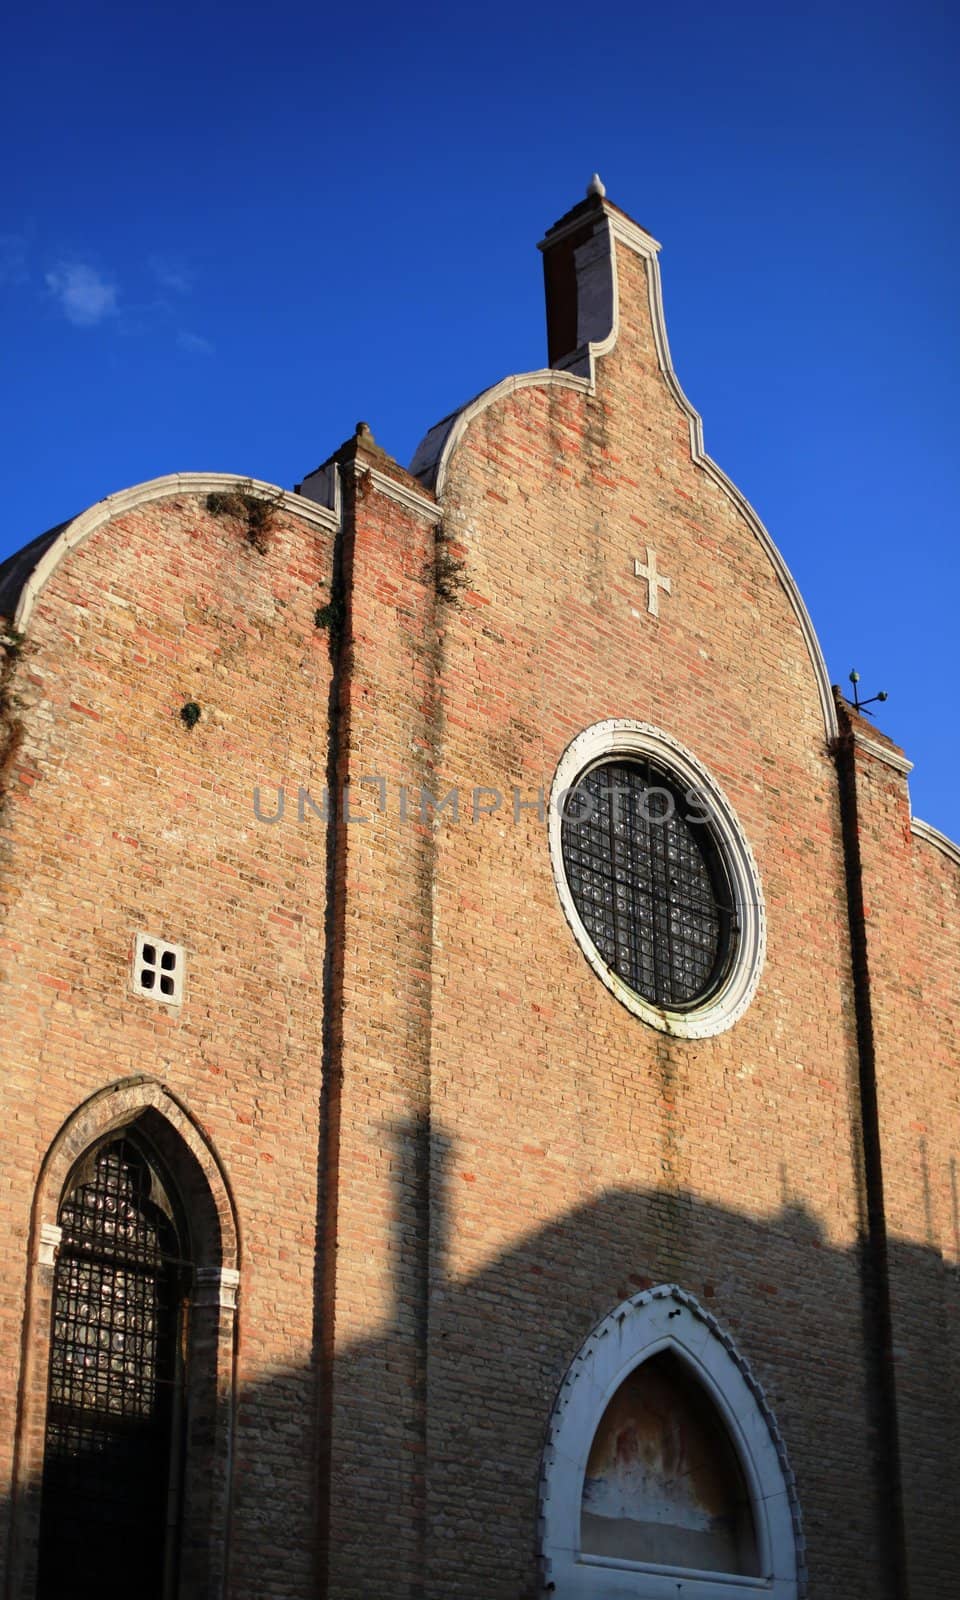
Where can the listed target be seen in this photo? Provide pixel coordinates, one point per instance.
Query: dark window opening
(648, 881)
(114, 1434)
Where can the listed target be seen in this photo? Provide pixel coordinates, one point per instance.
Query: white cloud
(194, 342)
(85, 295)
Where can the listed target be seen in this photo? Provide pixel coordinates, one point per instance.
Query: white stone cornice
(624, 227)
(881, 752)
(929, 835)
(631, 234)
(400, 492)
(143, 494)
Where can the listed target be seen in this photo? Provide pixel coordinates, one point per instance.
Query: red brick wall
(928, 1119)
(588, 1153)
(451, 1149)
(119, 819)
(911, 901)
(377, 1218)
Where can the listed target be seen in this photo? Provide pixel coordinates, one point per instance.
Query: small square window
(158, 969)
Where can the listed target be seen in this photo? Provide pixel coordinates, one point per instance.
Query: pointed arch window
(113, 1446)
(664, 1469)
(663, 1483)
(125, 1415)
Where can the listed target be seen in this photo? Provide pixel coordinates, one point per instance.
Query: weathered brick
(449, 1149)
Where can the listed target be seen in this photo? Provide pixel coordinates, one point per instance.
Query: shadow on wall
(429, 1452)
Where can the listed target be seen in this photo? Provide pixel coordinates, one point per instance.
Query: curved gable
(31, 568)
(598, 324)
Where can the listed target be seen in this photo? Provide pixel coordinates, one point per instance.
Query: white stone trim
(400, 492)
(666, 1318)
(637, 240)
(436, 450)
(584, 359)
(174, 974)
(51, 1235)
(142, 494)
(940, 841)
(882, 752)
(623, 737)
(324, 488)
(217, 1286)
(635, 237)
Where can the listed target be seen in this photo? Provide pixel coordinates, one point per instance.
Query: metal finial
(595, 187)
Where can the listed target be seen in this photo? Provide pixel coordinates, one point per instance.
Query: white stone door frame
(665, 1318)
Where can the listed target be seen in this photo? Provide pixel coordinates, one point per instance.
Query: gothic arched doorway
(113, 1447)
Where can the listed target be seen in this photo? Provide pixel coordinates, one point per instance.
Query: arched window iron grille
(649, 882)
(113, 1447)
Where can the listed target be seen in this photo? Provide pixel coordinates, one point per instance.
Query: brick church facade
(480, 1094)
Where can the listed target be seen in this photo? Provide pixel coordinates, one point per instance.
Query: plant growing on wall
(449, 570)
(256, 509)
(331, 615)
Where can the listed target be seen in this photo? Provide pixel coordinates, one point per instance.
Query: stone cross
(654, 581)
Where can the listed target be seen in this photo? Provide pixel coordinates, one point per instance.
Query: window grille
(648, 881)
(112, 1447)
(158, 969)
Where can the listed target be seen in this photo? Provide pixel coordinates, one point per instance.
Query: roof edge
(940, 841)
(74, 533)
(432, 459)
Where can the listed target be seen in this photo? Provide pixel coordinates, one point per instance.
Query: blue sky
(230, 233)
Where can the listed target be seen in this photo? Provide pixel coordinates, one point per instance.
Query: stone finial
(595, 187)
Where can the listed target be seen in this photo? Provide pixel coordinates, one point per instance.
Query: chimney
(578, 279)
